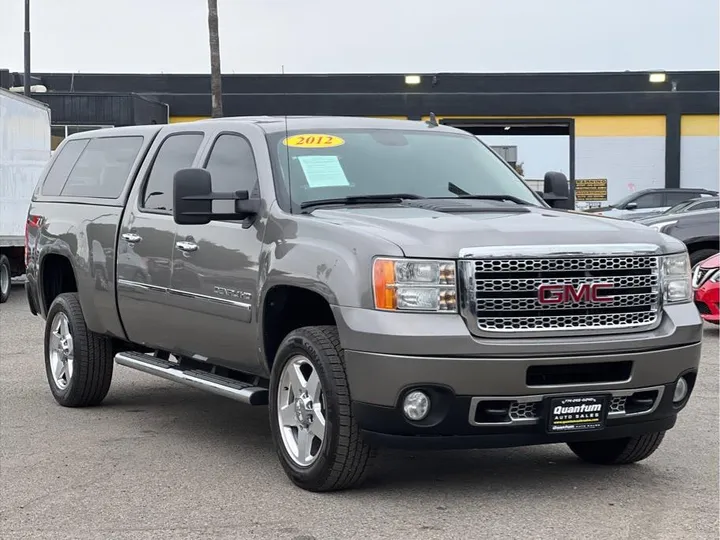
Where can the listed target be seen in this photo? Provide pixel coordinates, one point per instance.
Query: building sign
(591, 189)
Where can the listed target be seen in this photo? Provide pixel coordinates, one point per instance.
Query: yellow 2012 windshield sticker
(313, 140)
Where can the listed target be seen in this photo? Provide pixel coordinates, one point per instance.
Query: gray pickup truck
(375, 282)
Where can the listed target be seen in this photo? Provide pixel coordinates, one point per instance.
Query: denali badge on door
(578, 413)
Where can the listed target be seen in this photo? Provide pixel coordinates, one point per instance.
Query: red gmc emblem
(562, 293)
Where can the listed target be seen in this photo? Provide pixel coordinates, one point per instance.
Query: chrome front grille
(505, 295)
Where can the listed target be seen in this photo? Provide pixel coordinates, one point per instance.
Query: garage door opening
(532, 146)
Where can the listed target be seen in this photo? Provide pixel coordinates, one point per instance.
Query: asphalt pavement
(162, 461)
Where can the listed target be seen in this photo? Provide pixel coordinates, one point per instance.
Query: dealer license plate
(576, 413)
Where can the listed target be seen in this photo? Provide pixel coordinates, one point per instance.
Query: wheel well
(57, 277)
(704, 244)
(288, 308)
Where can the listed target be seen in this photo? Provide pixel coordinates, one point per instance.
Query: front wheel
(313, 428)
(618, 451)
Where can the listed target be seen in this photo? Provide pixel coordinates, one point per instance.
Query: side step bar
(222, 386)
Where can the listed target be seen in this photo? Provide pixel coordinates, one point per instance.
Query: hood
(425, 232)
(711, 262)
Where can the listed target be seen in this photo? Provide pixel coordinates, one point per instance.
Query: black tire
(344, 458)
(92, 357)
(5, 271)
(618, 451)
(700, 255)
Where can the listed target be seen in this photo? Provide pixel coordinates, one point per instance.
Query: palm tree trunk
(215, 77)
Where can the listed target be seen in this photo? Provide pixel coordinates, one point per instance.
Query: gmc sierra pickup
(374, 282)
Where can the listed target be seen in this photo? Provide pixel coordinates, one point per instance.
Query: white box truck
(24, 153)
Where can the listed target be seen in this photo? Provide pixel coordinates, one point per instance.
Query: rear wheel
(315, 434)
(618, 451)
(78, 362)
(5, 283)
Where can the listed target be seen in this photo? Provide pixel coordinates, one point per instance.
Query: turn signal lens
(383, 281)
(415, 285)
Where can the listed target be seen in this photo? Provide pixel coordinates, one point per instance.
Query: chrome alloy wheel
(61, 351)
(301, 411)
(4, 279)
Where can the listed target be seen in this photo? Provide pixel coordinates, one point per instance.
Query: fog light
(416, 405)
(681, 390)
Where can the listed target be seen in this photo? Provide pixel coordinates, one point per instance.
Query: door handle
(187, 247)
(132, 238)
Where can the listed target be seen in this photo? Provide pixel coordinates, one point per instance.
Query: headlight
(675, 278)
(662, 226)
(415, 285)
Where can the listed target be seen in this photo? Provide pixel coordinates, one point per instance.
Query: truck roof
(275, 124)
(150, 129)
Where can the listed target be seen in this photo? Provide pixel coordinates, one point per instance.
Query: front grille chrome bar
(500, 295)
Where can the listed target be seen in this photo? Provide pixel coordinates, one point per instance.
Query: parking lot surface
(158, 460)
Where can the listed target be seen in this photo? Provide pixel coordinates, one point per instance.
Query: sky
(390, 36)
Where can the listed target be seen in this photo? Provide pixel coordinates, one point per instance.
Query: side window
(651, 200)
(103, 168)
(232, 165)
(676, 197)
(175, 153)
(60, 169)
(705, 205)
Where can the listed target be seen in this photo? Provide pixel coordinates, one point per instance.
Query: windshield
(339, 163)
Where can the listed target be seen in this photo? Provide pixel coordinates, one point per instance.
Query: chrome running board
(215, 384)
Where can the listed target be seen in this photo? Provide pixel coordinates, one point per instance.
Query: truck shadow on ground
(182, 415)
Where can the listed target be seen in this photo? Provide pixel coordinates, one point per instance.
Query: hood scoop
(457, 206)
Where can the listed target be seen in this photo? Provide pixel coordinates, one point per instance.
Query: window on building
(103, 168)
(176, 152)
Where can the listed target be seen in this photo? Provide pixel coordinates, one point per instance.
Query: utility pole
(26, 77)
(215, 74)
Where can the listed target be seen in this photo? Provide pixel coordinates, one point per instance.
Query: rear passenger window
(61, 167)
(103, 168)
(651, 200)
(176, 152)
(675, 197)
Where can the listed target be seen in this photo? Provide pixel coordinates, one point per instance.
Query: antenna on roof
(433, 120)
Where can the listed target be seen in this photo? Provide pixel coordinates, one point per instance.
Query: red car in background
(706, 286)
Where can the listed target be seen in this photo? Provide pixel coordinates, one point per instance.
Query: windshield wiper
(388, 198)
(462, 194)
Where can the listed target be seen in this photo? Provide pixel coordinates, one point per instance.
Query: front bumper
(387, 427)
(470, 370)
(707, 300)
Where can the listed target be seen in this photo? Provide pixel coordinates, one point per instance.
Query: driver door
(216, 266)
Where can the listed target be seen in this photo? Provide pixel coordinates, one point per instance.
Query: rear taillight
(32, 223)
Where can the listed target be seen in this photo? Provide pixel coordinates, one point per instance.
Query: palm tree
(215, 77)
